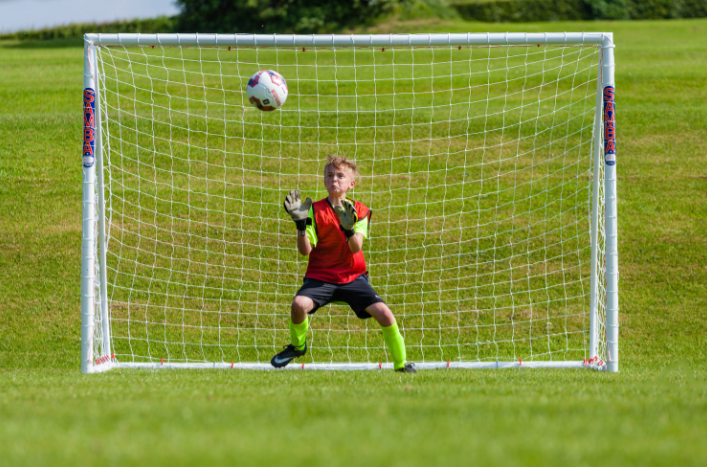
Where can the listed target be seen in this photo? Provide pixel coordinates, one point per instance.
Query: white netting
(601, 274)
(476, 162)
(100, 353)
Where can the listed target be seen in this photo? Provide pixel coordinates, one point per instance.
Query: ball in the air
(267, 90)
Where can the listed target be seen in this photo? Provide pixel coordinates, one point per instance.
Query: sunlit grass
(643, 416)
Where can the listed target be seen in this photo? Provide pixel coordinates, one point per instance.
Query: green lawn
(652, 413)
(441, 417)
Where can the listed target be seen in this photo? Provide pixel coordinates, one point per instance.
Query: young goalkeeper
(331, 232)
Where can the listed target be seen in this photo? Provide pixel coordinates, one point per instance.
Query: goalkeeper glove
(347, 217)
(298, 210)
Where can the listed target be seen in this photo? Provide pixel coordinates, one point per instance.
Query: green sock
(396, 344)
(298, 332)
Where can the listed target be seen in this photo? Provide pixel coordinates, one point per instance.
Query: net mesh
(476, 162)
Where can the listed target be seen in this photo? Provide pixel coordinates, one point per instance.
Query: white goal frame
(95, 318)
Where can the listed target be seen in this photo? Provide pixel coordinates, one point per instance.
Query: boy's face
(338, 180)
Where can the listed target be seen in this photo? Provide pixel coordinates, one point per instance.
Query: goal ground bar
(339, 366)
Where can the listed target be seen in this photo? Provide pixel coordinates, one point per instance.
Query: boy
(331, 232)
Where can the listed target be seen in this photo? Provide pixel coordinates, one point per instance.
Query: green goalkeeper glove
(347, 217)
(298, 210)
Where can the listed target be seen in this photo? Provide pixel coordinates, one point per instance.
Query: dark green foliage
(524, 11)
(608, 9)
(252, 16)
(646, 9)
(572, 10)
(72, 31)
(425, 9)
(693, 8)
(278, 16)
(321, 16)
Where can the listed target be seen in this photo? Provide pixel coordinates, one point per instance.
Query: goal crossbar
(346, 40)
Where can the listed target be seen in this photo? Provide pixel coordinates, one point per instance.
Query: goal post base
(100, 368)
(346, 366)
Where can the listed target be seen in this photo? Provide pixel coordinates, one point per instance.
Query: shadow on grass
(42, 44)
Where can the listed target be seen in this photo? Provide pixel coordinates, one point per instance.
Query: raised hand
(298, 210)
(347, 217)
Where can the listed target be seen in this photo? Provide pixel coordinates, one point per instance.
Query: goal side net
(488, 161)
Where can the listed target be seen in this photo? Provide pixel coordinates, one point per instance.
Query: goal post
(488, 160)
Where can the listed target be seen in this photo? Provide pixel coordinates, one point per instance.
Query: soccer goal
(488, 161)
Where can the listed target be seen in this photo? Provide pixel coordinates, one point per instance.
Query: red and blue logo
(277, 79)
(254, 80)
(609, 126)
(89, 127)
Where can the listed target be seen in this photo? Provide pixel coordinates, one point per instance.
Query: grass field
(652, 413)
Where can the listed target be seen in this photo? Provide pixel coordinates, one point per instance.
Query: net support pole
(594, 232)
(100, 188)
(88, 238)
(610, 212)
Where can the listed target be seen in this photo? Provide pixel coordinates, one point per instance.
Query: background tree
(278, 16)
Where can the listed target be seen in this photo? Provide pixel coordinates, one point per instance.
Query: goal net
(483, 158)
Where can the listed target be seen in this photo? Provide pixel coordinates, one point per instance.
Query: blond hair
(341, 162)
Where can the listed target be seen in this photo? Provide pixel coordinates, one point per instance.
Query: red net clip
(380, 366)
(520, 362)
(112, 356)
(161, 361)
(231, 365)
(448, 363)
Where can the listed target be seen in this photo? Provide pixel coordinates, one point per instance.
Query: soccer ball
(267, 90)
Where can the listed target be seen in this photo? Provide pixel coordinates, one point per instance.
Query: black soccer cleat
(286, 356)
(408, 368)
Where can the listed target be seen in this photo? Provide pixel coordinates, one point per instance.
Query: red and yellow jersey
(331, 259)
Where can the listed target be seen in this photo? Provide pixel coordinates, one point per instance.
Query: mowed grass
(439, 417)
(645, 415)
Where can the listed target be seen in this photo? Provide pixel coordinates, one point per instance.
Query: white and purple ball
(267, 90)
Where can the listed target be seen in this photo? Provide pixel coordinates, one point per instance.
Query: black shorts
(358, 294)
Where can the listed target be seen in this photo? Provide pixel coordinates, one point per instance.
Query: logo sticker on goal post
(89, 127)
(609, 126)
